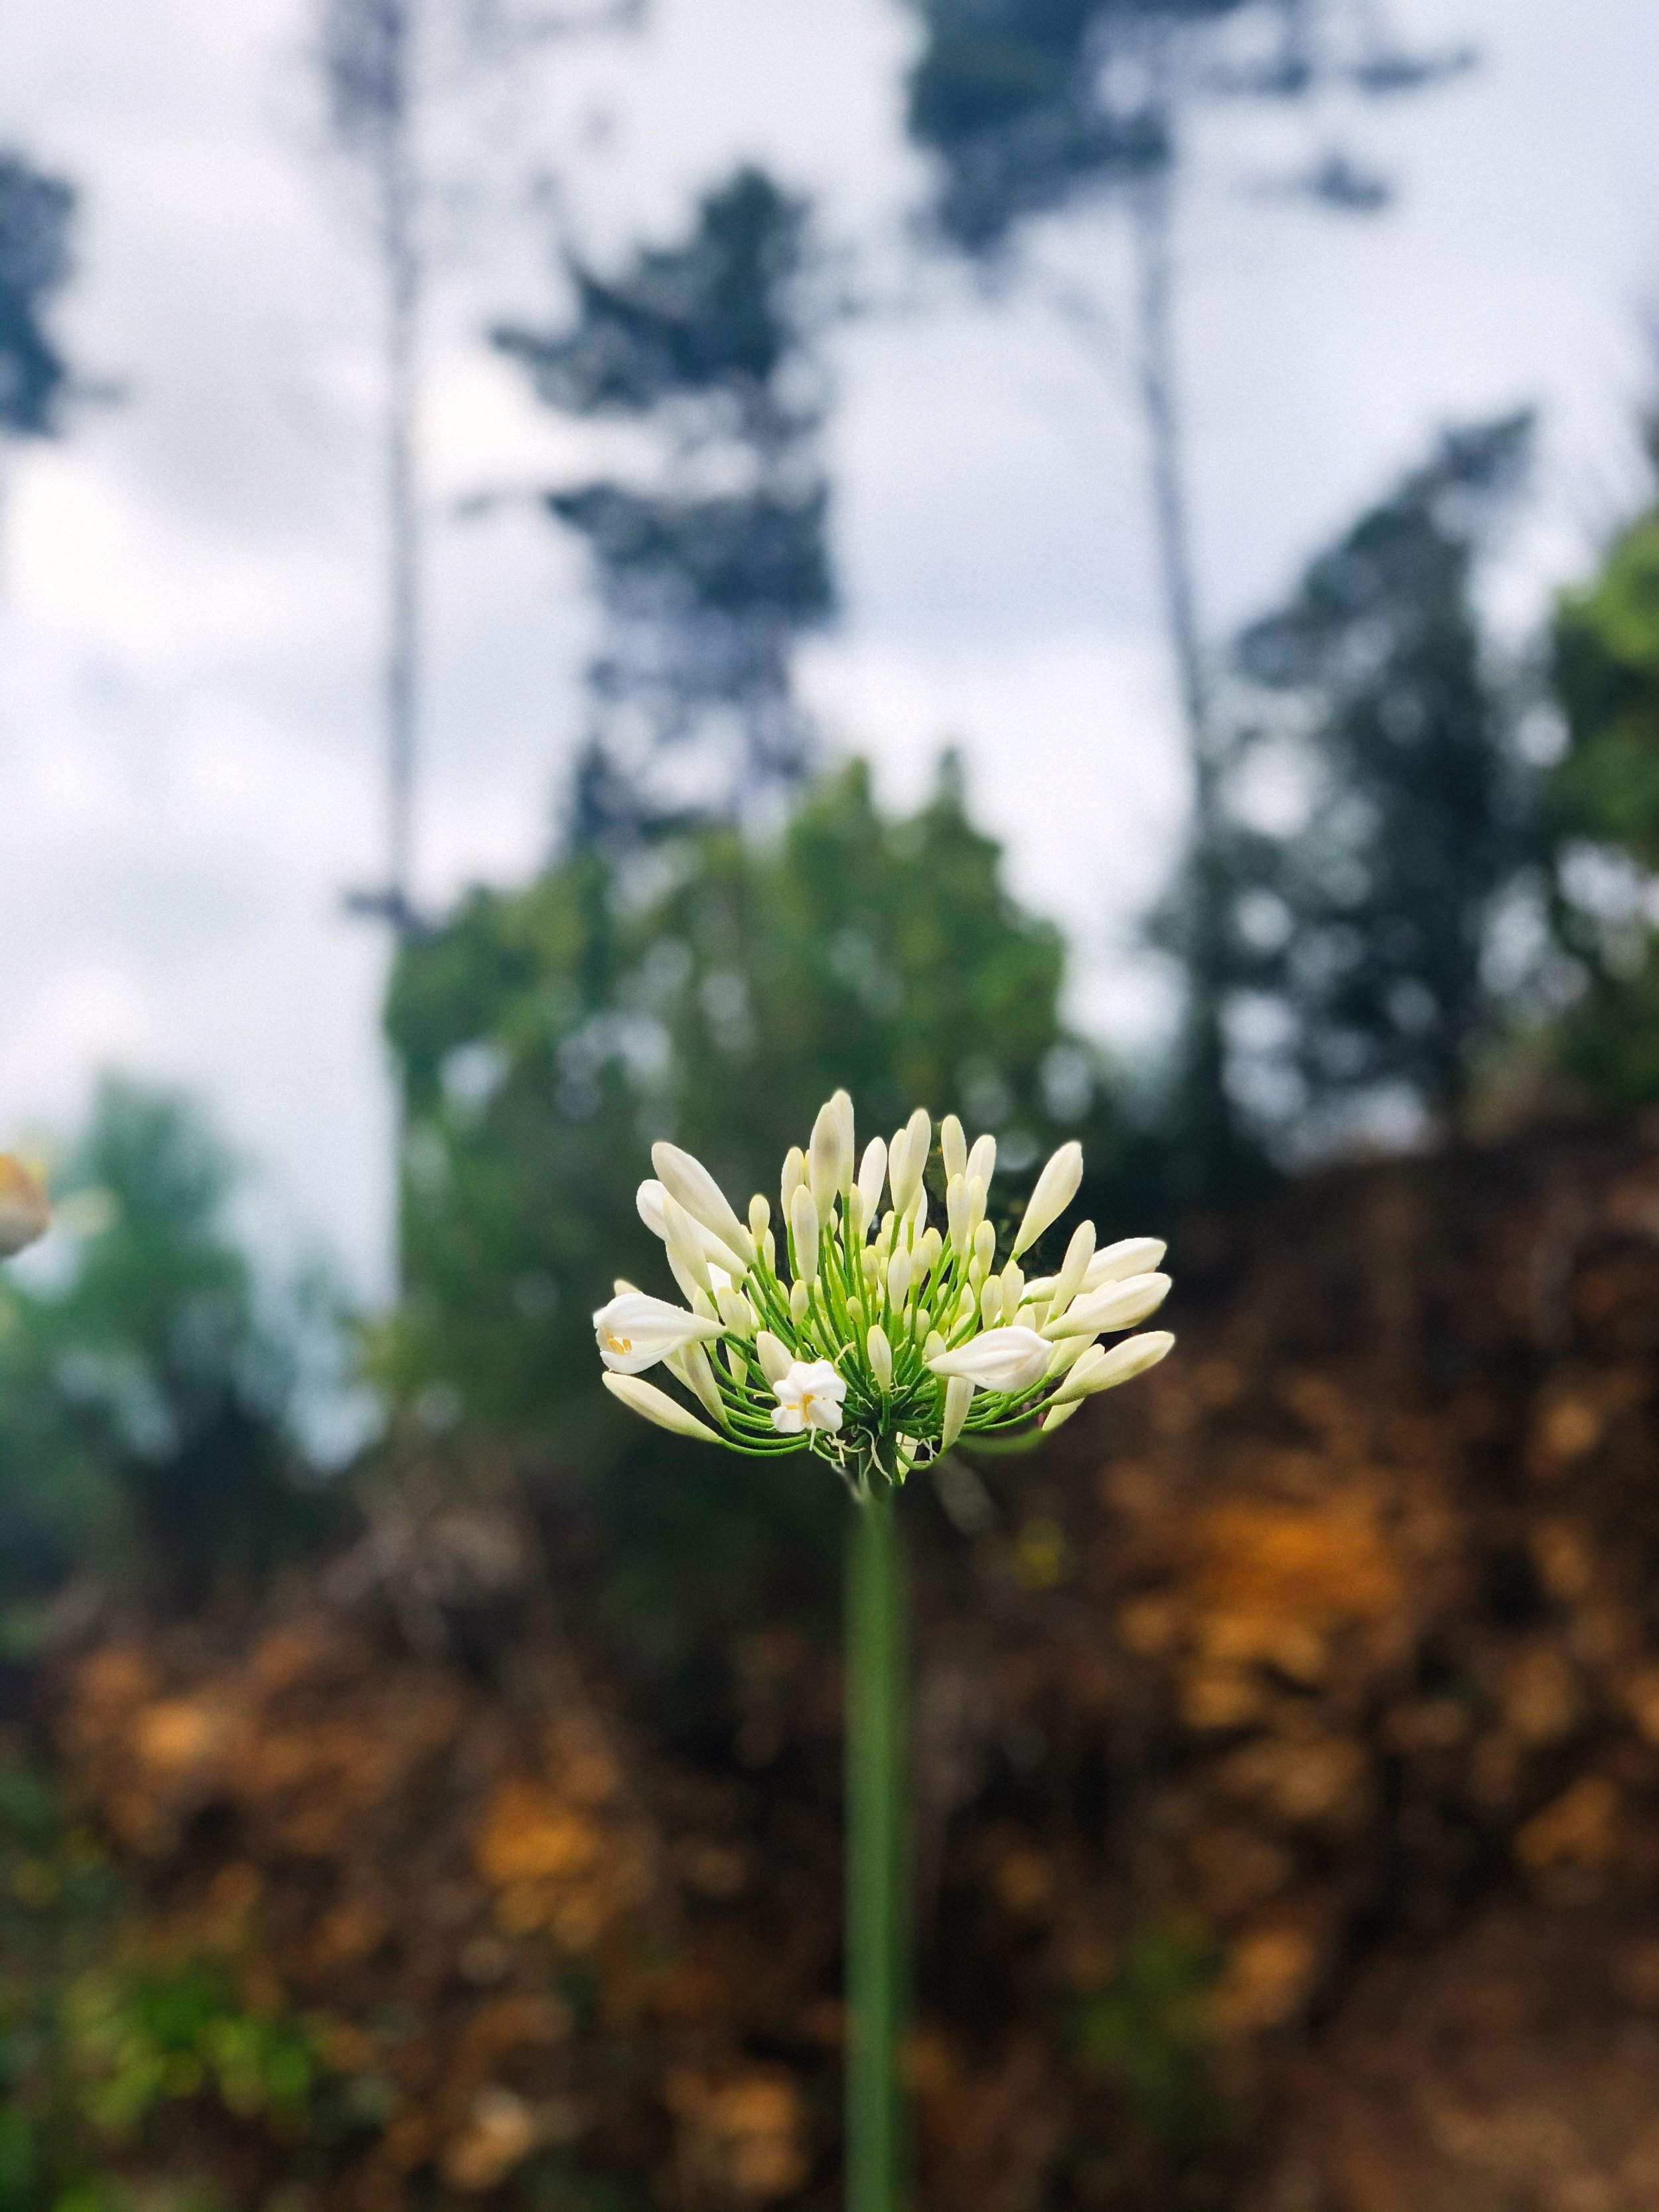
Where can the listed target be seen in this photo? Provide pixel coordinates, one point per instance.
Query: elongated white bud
(775, 1357)
(681, 1239)
(1102, 1370)
(794, 1174)
(881, 1357)
(769, 1252)
(843, 1104)
(1114, 1305)
(1131, 1255)
(898, 1280)
(975, 1205)
(982, 1160)
(651, 1201)
(932, 1347)
(760, 1216)
(735, 1311)
(958, 1396)
(1007, 1359)
(799, 1302)
(905, 1175)
(824, 1160)
(1068, 1352)
(955, 1213)
(642, 1397)
(1013, 1288)
(928, 1250)
(1058, 1415)
(872, 1174)
(922, 1327)
(804, 1221)
(985, 1244)
(858, 1216)
(700, 1376)
(953, 1147)
(990, 1302)
(1073, 1268)
(1056, 1187)
(702, 1197)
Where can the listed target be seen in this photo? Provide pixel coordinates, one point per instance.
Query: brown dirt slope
(1288, 1785)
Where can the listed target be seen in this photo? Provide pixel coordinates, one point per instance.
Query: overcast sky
(188, 583)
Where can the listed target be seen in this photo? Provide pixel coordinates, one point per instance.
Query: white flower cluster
(892, 1336)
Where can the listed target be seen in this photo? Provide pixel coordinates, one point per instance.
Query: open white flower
(636, 1331)
(810, 1396)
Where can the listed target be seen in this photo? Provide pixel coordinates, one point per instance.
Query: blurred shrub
(714, 990)
(114, 2055)
(144, 1398)
(1604, 795)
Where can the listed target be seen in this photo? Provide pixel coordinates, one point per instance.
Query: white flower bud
(1073, 1267)
(932, 1347)
(1132, 1256)
(928, 1251)
(842, 1103)
(953, 1145)
(681, 1239)
(701, 1376)
(1114, 1305)
(799, 1302)
(985, 1244)
(824, 1161)
(735, 1311)
(760, 1216)
(881, 1357)
(975, 1205)
(1013, 1288)
(922, 1326)
(955, 1213)
(775, 1357)
(958, 1396)
(898, 1280)
(855, 1312)
(794, 1174)
(872, 1174)
(1056, 1187)
(657, 1406)
(651, 1201)
(1100, 1369)
(1008, 1359)
(990, 1302)
(804, 1222)
(905, 1173)
(702, 1198)
(982, 1160)
(1058, 1415)
(1068, 1352)
(769, 1252)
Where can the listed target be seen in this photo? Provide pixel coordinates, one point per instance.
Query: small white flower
(636, 1331)
(1009, 1359)
(809, 1397)
(1056, 1187)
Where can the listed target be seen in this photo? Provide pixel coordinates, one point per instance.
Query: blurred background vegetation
(1416, 914)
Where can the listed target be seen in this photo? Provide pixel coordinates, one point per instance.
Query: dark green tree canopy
(37, 216)
(711, 570)
(1356, 938)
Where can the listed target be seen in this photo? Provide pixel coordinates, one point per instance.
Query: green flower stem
(878, 1863)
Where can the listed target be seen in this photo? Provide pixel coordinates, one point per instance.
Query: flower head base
(875, 1339)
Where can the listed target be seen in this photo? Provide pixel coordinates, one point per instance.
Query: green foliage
(711, 570)
(1355, 942)
(1603, 797)
(37, 214)
(1146, 2030)
(714, 990)
(142, 1398)
(106, 2049)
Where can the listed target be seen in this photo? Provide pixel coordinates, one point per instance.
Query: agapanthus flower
(25, 1214)
(875, 1338)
